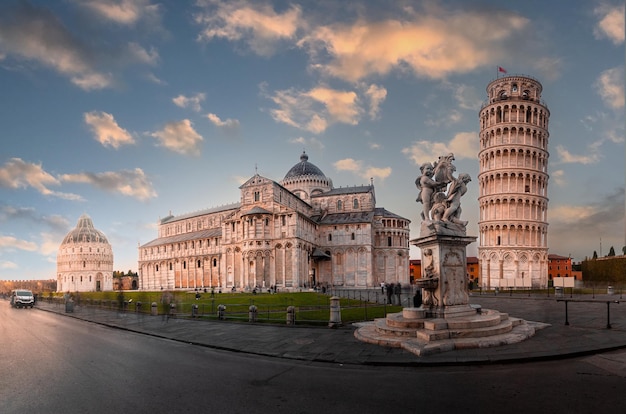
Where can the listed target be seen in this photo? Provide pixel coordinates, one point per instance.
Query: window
(185, 265)
(214, 262)
(352, 236)
(199, 263)
(157, 268)
(355, 204)
(527, 189)
(170, 265)
(84, 264)
(498, 241)
(339, 205)
(330, 237)
(389, 241)
(257, 196)
(284, 220)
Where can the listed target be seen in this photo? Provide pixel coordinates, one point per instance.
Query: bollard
(221, 312)
(138, 307)
(335, 313)
(154, 309)
(172, 310)
(291, 315)
(252, 313)
(194, 310)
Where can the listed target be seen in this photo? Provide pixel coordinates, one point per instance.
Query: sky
(127, 110)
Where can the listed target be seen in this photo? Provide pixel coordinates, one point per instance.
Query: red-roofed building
(559, 266)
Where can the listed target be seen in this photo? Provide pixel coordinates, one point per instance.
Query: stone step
(442, 334)
(399, 320)
(383, 328)
(477, 321)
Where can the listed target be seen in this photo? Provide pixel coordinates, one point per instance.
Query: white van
(22, 298)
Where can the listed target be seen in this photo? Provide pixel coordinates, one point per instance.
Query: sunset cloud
(17, 173)
(463, 145)
(256, 25)
(193, 102)
(131, 183)
(611, 23)
(610, 86)
(359, 168)
(106, 130)
(179, 137)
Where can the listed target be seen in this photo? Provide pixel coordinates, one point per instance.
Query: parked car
(22, 298)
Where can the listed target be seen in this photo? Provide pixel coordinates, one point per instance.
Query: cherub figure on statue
(457, 189)
(426, 186)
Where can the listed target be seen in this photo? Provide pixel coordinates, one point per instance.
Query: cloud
(132, 183)
(35, 34)
(106, 130)
(316, 109)
(467, 97)
(192, 102)
(227, 124)
(179, 137)
(16, 173)
(141, 55)
(566, 157)
(123, 12)
(358, 167)
(571, 225)
(374, 146)
(376, 95)
(558, 177)
(308, 143)
(8, 265)
(463, 145)
(54, 222)
(431, 44)
(257, 25)
(610, 87)
(611, 23)
(11, 243)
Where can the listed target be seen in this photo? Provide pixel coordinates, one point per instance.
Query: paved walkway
(587, 333)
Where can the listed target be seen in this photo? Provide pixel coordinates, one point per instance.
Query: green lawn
(310, 308)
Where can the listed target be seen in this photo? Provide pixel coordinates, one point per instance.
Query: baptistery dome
(305, 179)
(85, 259)
(85, 232)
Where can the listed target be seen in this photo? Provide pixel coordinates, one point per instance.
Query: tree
(595, 254)
(611, 252)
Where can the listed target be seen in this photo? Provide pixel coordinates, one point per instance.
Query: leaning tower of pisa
(513, 180)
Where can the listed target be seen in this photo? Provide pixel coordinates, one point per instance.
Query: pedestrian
(166, 300)
(389, 289)
(417, 299)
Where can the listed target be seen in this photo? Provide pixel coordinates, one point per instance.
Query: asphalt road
(54, 364)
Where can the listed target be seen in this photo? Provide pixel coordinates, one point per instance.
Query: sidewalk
(587, 333)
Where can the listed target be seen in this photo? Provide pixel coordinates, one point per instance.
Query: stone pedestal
(445, 321)
(444, 269)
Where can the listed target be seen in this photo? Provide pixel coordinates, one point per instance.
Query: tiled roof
(225, 207)
(345, 190)
(202, 234)
(345, 218)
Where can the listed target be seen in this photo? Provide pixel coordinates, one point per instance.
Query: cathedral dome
(85, 232)
(304, 168)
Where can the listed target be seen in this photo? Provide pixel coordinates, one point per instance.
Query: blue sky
(129, 109)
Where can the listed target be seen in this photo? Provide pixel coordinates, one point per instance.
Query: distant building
(301, 232)
(513, 185)
(473, 270)
(84, 260)
(471, 267)
(559, 266)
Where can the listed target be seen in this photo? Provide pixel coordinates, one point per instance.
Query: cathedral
(300, 232)
(84, 259)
